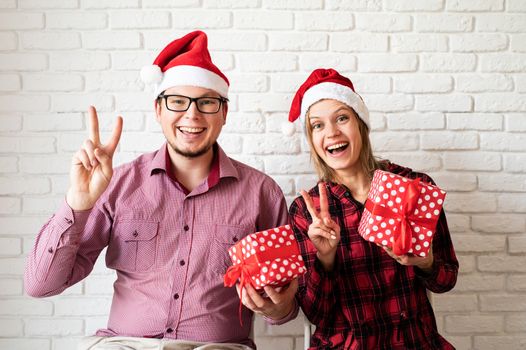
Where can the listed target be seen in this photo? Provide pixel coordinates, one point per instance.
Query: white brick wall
(445, 81)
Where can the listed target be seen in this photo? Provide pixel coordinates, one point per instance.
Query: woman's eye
(315, 126)
(342, 118)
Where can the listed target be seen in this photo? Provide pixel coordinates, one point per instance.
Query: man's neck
(191, 172)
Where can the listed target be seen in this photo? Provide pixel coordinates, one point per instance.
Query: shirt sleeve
(289, 317)
(443, 275)
(316, 292)
(274, 213)
(65, 250)
(277, 215)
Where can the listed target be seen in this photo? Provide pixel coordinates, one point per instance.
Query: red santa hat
(185, 61)
(325, 84)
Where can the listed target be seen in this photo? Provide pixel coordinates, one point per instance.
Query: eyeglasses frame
(193, 100)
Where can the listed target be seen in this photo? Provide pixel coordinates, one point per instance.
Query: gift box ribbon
(403, 231)
(250, 266)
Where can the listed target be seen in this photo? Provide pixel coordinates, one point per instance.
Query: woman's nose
(332, 130)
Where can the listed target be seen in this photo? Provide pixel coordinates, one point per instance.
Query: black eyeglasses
(180, 103)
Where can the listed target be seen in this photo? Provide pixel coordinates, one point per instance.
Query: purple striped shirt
(169, 249)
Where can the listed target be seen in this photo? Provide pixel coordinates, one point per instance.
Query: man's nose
(192, 110)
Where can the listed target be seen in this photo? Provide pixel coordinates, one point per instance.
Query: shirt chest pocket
(225, 236)
(133, 245)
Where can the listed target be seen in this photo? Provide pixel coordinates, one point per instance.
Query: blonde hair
(368, 162)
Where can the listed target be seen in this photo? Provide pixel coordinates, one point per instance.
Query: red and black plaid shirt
(369, 301)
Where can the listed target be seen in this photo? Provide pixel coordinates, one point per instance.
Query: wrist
(427, 266)
(281, 313)
(327, 260)
(76, 203)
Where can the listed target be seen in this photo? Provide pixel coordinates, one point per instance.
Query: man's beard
(191, 154)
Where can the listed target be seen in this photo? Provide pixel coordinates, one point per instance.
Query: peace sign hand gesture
(324, 232)
(91, 167)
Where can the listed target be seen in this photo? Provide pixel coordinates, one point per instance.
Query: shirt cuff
(429, 276)
(321, 272)
(290, 316)
(67, 218)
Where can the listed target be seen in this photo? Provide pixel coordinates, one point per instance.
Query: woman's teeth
(338, 146)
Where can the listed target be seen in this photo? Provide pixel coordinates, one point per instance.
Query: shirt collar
(222, 166)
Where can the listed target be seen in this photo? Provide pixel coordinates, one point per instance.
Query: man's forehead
(191, 91)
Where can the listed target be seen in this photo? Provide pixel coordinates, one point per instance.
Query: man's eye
(177, 101)
(205, 102)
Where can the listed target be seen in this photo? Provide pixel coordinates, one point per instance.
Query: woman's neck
(357, 181)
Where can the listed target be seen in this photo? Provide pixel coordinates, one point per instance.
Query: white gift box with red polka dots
(271, 257)
(395, 205)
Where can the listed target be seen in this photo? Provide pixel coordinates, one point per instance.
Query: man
(167, 220)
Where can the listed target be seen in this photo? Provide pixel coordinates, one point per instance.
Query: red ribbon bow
(403, 232)
(251, 266)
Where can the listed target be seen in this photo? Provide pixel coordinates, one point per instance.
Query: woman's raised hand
(92, 165)
(324, 232)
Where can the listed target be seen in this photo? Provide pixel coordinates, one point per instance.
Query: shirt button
(169, 330)
(234, 239)
(181, 262)
(176, 296)
(50, 250)
(68, 220)
(347, 194)
(402, 315)
(186, 228)
(135, 233)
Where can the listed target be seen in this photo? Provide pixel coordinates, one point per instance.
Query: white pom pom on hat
(326, 84)
(151, 74)
(185, 62)
(287, 129)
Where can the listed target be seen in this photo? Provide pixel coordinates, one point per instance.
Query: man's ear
(225, 112)
(157, 107)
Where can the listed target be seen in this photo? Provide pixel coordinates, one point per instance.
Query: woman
(357, 294)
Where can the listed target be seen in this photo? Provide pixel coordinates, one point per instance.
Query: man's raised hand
(92, 165)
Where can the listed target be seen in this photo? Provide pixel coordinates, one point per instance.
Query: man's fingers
(310, 205)
(115, 137)
(81, 158)
(89, 148)
(94, 134)
(105, 163)
(254, 298)
(284, 293)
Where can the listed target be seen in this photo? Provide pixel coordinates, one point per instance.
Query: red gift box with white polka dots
(271, 257)
(401, 213)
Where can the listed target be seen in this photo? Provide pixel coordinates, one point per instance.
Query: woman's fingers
(318, 229)
(324, 202)
(310, 205)
(321, 224)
